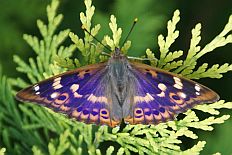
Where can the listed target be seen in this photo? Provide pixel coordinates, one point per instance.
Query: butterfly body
(116, 90)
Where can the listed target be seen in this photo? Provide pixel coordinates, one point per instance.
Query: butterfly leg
(141, 59)
(106, 54)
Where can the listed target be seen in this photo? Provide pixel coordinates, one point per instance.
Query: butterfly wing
(81, 94)
(160, 95)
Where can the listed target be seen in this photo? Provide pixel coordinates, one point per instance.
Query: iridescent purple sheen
(145, 86)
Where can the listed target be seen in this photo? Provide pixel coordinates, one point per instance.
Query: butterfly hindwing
(160, 95)
(81, 94)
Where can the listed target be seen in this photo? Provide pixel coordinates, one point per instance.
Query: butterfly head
(117, 53)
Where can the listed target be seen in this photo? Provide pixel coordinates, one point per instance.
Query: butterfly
(118, 90)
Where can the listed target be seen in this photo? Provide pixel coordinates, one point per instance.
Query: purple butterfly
(116, 90)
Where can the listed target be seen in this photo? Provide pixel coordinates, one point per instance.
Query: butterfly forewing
(81, 94)
(160, 95)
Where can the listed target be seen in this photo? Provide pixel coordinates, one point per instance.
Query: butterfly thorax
(118, 69)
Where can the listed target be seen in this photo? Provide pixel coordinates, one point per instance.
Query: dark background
(19, 17)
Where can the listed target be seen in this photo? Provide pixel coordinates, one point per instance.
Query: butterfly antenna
(132, 27)
(96, 39)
